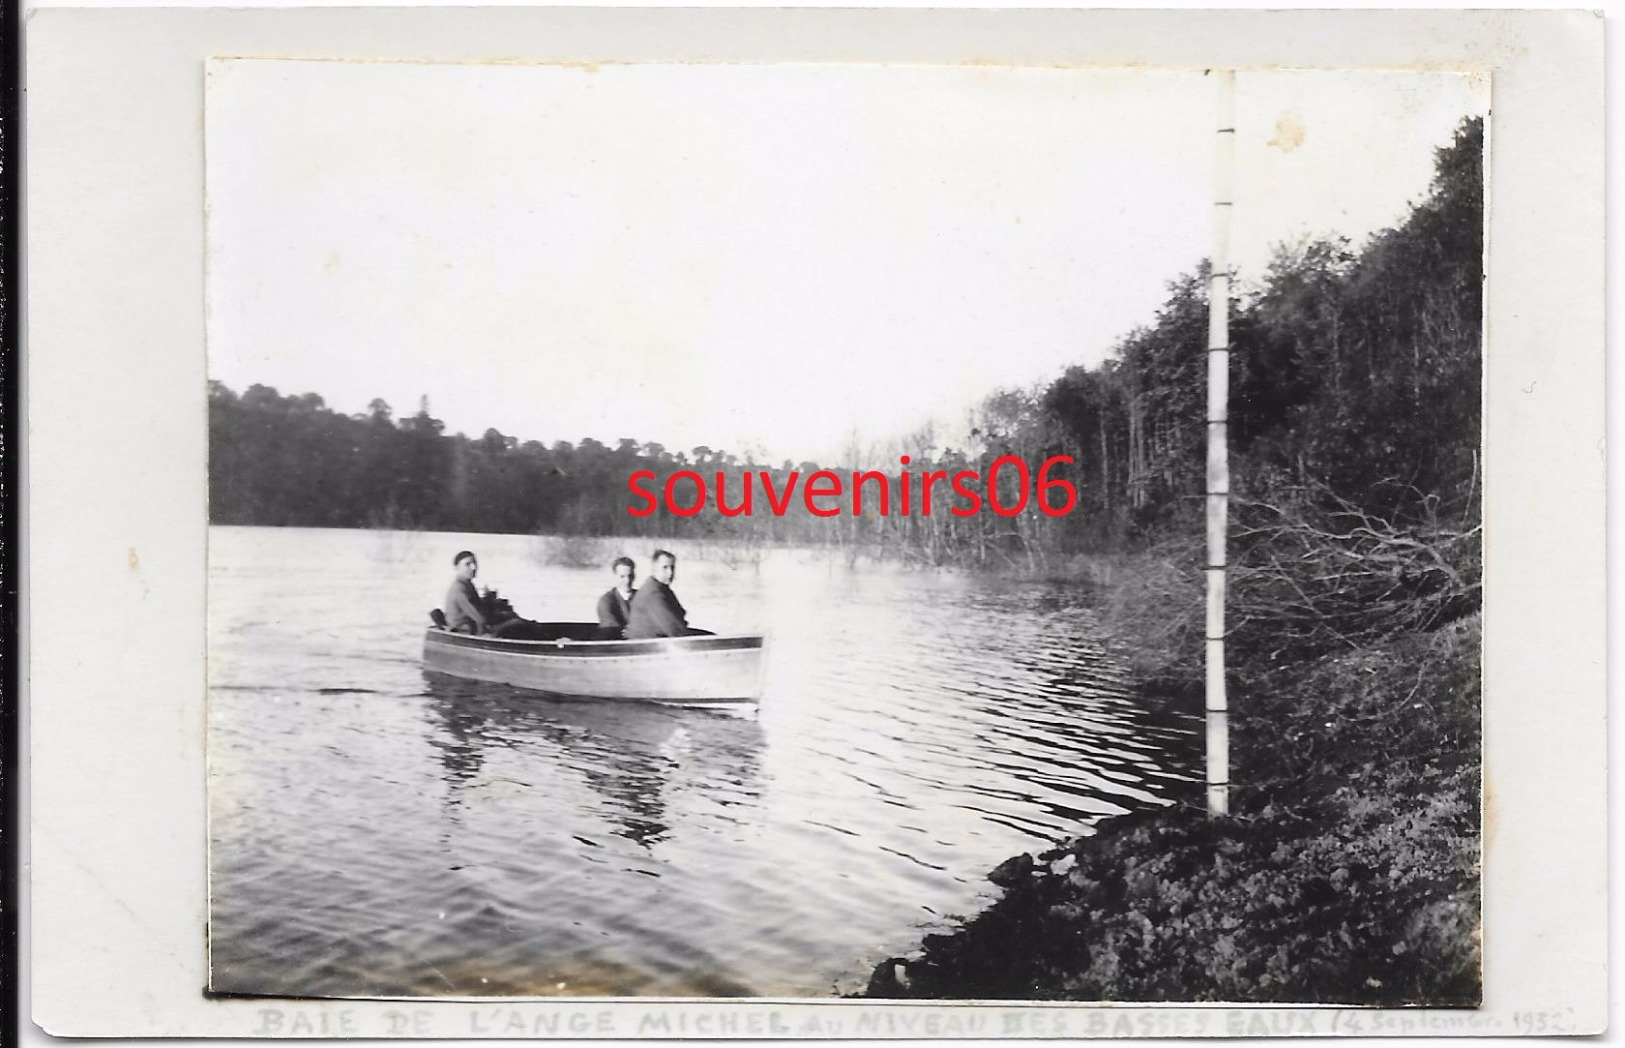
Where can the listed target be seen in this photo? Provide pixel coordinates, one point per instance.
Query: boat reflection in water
(378, 832)
(633, 756)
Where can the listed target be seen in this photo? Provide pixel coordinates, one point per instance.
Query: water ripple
(377, 830)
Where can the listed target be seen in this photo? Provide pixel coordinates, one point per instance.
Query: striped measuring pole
(1218, 452)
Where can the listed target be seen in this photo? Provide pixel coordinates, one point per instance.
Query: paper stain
(133, 559)
(1289, 132)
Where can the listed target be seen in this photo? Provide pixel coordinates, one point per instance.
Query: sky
(768, 259)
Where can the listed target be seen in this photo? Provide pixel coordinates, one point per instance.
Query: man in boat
(615, 607)
(468, 612)
(465, 609)
(656, 611)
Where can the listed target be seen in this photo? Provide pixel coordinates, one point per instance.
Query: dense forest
(1350, 870)
(1355, 403)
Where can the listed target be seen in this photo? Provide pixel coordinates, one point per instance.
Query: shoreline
(1347, 873)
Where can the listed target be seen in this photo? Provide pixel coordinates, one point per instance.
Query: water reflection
(1011, 703)
(631, 754)
(377, 830)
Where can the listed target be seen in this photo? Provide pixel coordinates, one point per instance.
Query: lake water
(376, 830)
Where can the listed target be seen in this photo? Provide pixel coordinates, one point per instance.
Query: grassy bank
(1348, 872)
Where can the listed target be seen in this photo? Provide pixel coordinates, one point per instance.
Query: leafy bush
(1348, 873)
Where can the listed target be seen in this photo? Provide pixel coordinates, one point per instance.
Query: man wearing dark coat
(615, 607)
(656, 611)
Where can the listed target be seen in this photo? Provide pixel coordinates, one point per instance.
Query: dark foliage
(1348, 873)
(1355, 377)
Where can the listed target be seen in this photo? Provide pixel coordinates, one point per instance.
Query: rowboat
(565, 658)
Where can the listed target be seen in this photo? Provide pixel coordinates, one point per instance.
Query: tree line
(1355, 390)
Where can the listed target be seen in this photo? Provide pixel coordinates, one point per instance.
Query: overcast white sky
(750, 257)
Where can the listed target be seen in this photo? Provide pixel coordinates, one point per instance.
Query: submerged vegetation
(1349, 870)
(1355, 376)
(1355, 380)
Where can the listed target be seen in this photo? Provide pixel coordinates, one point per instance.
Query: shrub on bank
(1347, 874)
(1309, 574)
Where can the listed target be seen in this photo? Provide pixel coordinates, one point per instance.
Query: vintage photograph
(956, 532)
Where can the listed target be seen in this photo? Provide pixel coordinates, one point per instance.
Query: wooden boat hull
(700, 669)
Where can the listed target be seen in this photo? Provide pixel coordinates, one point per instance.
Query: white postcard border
(115, 536)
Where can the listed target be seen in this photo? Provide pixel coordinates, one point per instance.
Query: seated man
(468, 612)
(615, 607)
(656, 611)
(465, 610)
